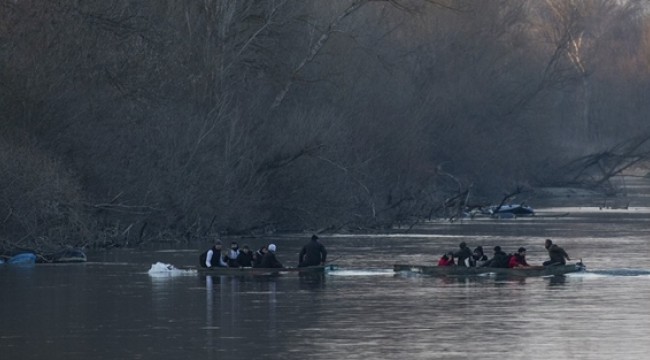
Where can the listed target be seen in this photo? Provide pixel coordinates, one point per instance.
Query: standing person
(259, 255)
(464, 255)
(499, 260)
(556, 253)
(232, 254)
(269, 260)
(312, 254)
(212, 257)
(518, 259)
(245, 257)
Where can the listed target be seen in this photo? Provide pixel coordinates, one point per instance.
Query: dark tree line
(127, 122)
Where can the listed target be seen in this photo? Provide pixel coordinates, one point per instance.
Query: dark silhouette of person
(312, 254)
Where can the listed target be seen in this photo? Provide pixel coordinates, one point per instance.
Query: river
(123, 305)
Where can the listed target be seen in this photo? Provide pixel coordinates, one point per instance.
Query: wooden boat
(247, 271)
(475, 271)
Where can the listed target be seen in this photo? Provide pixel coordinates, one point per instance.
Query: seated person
(269, 260)
(259, 255)
(499, 260)
(447, 259)
(478, 257)
(245, 257)
(557, 254)
(464, 255)
(518, 259)
(233, 253)
(212, 257)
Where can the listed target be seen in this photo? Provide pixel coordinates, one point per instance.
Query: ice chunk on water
(160, 269)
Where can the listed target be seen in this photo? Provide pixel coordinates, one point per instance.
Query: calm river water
(118, 306)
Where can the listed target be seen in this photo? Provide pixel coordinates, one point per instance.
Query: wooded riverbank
(127, 123)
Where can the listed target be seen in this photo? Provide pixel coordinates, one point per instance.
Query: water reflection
(222, 311)
(498, 280)
(557, 280)
(245, 309)
(108, 311)
(312, 281)
(502, 279)
(209, 312)
(472, 281)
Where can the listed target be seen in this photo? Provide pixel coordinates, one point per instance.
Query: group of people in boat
(477, 258)
(312, 253)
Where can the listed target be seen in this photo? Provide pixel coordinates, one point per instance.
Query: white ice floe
(167, 270)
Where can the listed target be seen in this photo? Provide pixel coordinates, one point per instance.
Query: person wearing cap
(518, 259)
(499, 260)
(557, 254)
(212, 257)
(464, 254)
(269, 260)
(312, 254)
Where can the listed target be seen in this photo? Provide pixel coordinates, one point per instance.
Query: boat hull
(475, 271)
(22, 259)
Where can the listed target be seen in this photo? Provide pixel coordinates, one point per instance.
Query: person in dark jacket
(212, 257)
(269, 260)
(464, 254)
(557, 254)
(245, 257)
(499, 260)
(259, 255)
(312, 254)
(518, 259)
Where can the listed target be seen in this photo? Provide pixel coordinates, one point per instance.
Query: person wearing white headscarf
(269, 260)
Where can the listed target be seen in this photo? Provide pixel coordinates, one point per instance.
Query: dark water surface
(114, 307)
